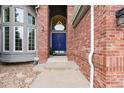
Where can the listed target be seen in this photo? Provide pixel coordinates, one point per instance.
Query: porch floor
(58, 73)
(57, 59)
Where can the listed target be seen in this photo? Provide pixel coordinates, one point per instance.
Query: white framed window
(6, 39)
(31, 19)
(19, 15)
(18, 38)
(6, 14)
(31, 39)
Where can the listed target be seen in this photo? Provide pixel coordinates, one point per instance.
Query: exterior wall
(15, 56)
(70, 33)
(43, 33)
(56, 12)
(82, 44)
(109, 48)
(100, 46)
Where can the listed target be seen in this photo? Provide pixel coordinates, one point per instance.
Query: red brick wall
(82, 44)
(100, 46)
(70, 33)
(109, 48)
(43, 36)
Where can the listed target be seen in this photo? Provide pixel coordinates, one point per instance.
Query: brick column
(109, 48)
(100, 46)
(43, 33)
(70, 33)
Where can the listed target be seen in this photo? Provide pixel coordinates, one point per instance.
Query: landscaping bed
(17, 75)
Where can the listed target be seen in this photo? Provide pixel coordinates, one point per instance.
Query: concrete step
(61, 66)
(56, 66)
(59, 59)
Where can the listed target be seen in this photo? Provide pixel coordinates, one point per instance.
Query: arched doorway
(58, 34)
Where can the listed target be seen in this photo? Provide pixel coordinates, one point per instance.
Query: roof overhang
(79, 13)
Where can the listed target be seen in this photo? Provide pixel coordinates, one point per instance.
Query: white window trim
(4, 39)
(22, 39)
(4, 15)
(28, 40)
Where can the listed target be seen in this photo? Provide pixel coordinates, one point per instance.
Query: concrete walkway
(59, 74)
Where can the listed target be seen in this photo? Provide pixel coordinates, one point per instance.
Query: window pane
(31, 39)
(31, 19)
(18, 37)
(6, 15)
(6, 38)
(19, 15)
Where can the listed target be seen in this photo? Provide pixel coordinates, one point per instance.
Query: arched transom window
(58, 23)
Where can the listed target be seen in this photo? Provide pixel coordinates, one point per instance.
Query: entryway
(58, 72)
(59, 42)
(58, 29)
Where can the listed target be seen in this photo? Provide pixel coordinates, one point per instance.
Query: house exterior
(29, 33)
(109, 47)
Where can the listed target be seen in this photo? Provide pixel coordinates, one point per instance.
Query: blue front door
(59, 41)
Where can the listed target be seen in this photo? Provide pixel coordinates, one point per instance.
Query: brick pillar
(109, 48)
(100, 46)
(70, 33)
(43, 33)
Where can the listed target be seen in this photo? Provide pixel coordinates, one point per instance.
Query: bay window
(18, 25)
(18, 33)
